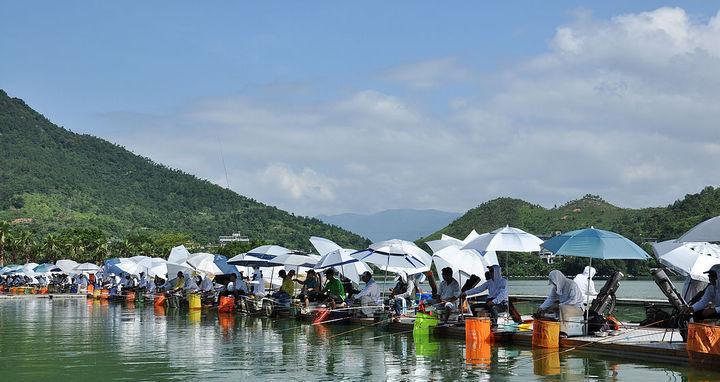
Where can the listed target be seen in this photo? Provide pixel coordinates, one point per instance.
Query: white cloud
(429, 73)
(625, 108)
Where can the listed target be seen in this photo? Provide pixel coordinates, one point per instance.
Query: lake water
(66, 339)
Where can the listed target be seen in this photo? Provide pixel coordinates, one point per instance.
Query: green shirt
(335, 288)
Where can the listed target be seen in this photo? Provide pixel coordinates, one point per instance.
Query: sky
(328, 107)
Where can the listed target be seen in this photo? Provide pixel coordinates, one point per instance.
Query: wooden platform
(41, 296)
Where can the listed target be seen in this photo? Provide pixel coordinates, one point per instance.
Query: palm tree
(51, 246)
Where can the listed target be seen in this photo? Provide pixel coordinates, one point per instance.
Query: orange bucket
(703, 338)
(104, 294)
(478, 330)
(159, 300)
(130, 297)
(44, 290)
(90, 289)
(226, 304)
(546, 334)
(2, 288)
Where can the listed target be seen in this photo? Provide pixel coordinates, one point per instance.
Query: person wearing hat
(334, 290)
(709, 305)
(403, 293)
(370, 295)
(497, 298)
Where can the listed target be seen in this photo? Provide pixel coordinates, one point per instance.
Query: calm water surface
(85, 340)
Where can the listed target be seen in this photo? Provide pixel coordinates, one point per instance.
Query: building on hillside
(233, 238)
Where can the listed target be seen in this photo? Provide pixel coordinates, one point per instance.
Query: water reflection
(54, 339)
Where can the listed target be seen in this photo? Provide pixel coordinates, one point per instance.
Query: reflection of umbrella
(507, 239)
(594, 244)
(86, 267)
(688, 259)
(709, 230)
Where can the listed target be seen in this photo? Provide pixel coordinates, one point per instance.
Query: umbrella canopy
(178, 254)
(205, 263)
(507, 239)
(247, 260)
(294, 260)
(595, 243)
(323, 245)
(155, 267)
(336, 258)
(394, 253)
(688, 259)
(268, 252)
(709, 230)
(86, 267)
(128, 266)
(46, 267)
(10, 268)
(67, 266)
(463, 262)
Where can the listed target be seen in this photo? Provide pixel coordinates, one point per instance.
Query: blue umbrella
(46, 267)
(595, 244)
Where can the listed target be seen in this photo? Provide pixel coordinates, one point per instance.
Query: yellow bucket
(546, 334)
(194, 301)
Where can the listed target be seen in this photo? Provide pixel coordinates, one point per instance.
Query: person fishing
(448, 294)
(403, 293)
(497, 298)
(370, 295)
(709, 305)
(565, 298)
(334, 291)
(311, 287)
(586, 283)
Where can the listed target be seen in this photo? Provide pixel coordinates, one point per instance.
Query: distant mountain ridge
(407, 224)
(53, 179)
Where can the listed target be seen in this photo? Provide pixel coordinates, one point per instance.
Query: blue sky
(283, 73)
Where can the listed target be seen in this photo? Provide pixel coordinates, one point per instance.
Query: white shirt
(371, 290)
(712, 293)
(448, 291)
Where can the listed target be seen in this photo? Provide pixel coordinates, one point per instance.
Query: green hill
(639, 225)
(53, 180)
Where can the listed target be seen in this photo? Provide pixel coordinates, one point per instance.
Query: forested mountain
(52, 180)
(406, 224)
(639, 225)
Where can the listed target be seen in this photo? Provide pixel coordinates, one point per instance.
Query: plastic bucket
(90, 289)
(194, 301)
(478, 354)
(96, 293)
(44, 290)
(159, 300)
(703, 338)
(105, 294)
(477, 330)
(226, 304)
(422, 297)
(130, 297)
(423, 323)
(546, 334)
(546, 362)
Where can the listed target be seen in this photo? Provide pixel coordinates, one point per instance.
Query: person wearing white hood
(709, 304)
(565, 297)
(190, 284)
(582, 279)
(258, 283)
(403, 293)
(497, 298)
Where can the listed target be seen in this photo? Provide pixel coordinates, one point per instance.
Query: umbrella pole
(385, 279)
(587, 299)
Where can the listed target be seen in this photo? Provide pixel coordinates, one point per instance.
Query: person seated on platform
(581, 279)
(143, 283)
(82, 283)
(497, 298)
(177, 285)
(349, 286)
(128, 284)
(334, 291)
(448, 294)
(190, 285)
(709, 305)
(287, 287)
(258, 282)
(369, 296)
(565, 298)
(403, 294)
(207, 287)
(310, 287)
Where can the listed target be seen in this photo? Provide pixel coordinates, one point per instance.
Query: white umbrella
(471, 236)
(341, 260)
(507, 239)
(157, 267)
(394, 253)
(323, 245)
(140, 258)
(173, 269)
(178, 254)
(709, 230)
(268, 251)
(688, 259)
(463, 262)
(205, 263)
(294, 260)
(86, 267)
(247, 260)
(129, 267)
(67, 266)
